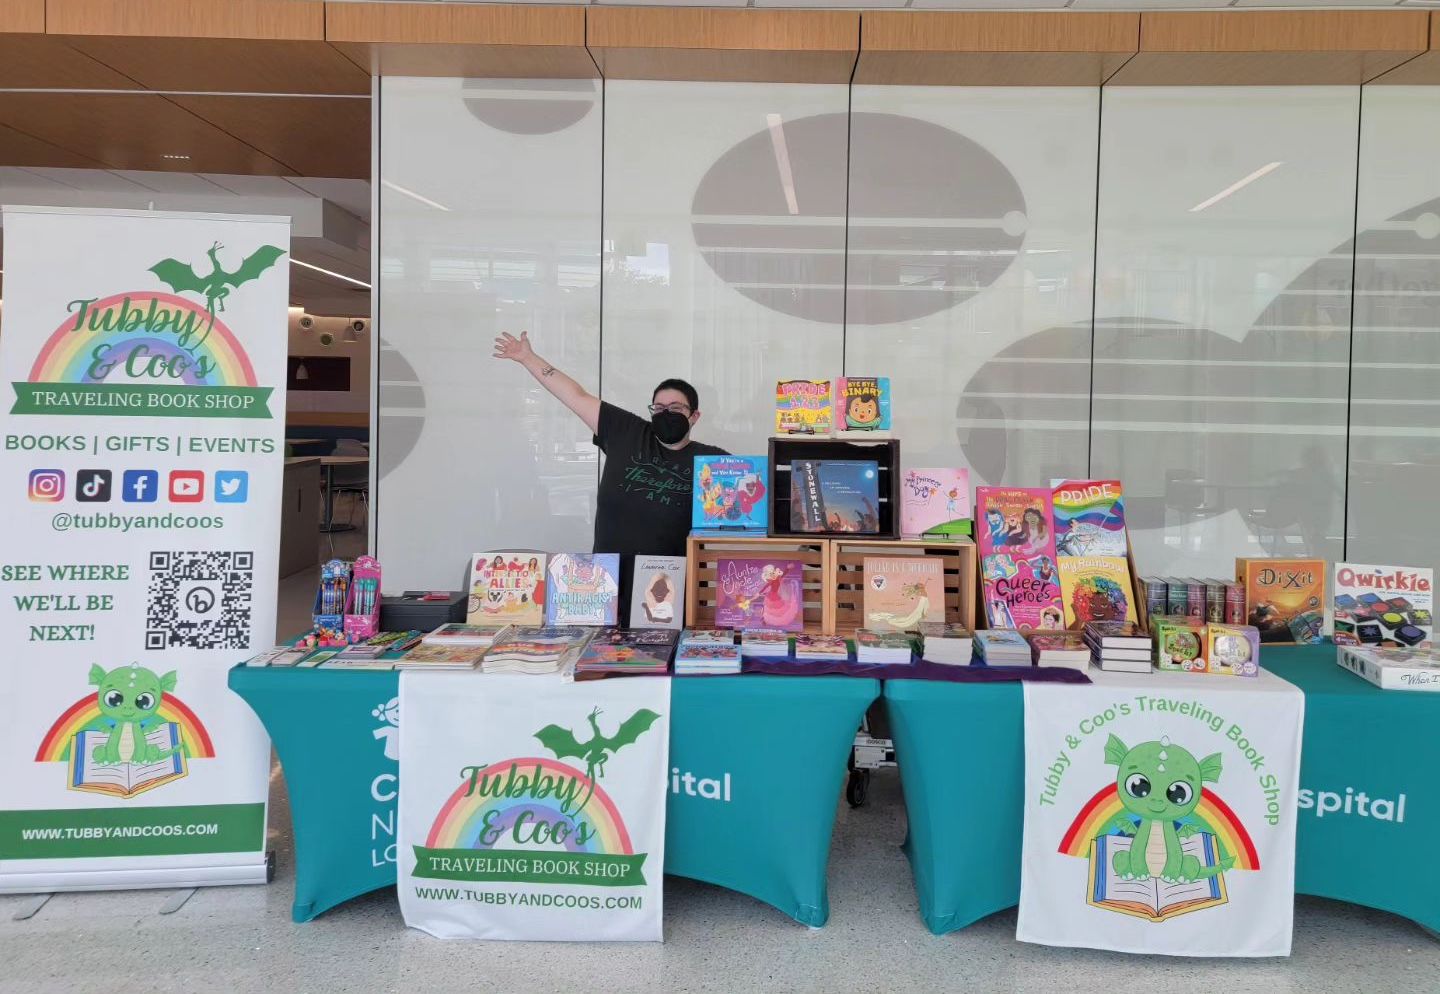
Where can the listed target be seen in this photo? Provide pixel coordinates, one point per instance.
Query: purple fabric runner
(918, 670)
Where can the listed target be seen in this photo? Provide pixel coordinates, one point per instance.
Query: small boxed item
(1232, 650)
(1179, 643)
(362, 614)
(1284, 598)
(331, 602)
(422, 610)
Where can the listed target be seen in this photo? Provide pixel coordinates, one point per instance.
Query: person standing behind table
(643, 503)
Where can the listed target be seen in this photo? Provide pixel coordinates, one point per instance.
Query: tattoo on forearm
(546, 371)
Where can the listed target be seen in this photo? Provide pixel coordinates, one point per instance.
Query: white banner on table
(533, 808)
(143, 362)
(1160, 814)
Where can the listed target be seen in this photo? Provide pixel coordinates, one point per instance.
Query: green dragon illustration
(1159, 784)
(598, 748)
(181, 277)
(129, 699)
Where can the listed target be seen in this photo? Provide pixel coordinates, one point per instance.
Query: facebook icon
(140, 486)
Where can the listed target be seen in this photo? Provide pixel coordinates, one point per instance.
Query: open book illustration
(125, 780)
(1153, 898)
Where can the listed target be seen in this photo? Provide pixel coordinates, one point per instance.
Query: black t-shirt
(643, 506)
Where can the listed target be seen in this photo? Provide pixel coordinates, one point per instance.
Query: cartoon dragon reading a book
(1159, 785)
(129, 698)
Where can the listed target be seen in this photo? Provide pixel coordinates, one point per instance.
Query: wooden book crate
(701, 553)
(847, 588)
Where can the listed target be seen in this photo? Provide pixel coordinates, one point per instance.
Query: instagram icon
(47, 485)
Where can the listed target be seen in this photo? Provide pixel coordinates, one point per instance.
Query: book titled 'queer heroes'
(835, 495)
(729, 492)
(935, 502)
(759, 593)
(804, 407)
(583, 589)
(1019, 578)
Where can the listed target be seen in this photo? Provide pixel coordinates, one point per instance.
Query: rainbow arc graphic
(55, 747)
(1211, 815)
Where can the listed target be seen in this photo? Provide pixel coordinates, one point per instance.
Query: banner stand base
(56, 881)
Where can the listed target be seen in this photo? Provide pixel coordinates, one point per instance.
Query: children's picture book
(863, 403)
(582, 589)
(1096, 588)
(755, 592)
(1383, 605)
(1021, 593)
(1089, 518)
(657, 596)
(1284, 598)
(1154, 898)
(125, 779)
(935, 501)
(444, 657)
(804, 407)
(507, 588)
(729, 493)
(550, 649)
(835, 495)
(827, 648)
(628, 650)
(766, 642)
(1018, 521)
(901, 592)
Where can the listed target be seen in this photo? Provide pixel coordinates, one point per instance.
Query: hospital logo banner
(1160, 814)
(532, 807)
(142, 362)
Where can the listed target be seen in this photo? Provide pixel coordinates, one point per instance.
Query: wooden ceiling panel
(318, 136)
(1267, 48)
(22, 16)
(41, 61)
(19, 149)
(748, 45)
(228, 65)
(133, 131)
(290, 20)
(477, 40)
(995, 48)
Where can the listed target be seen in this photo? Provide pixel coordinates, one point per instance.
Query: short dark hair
(691, 397)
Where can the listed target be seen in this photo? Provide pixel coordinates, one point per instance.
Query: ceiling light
(1239, 184)
(413, 195)
(168, 155)
(782, 160)
(328, 272)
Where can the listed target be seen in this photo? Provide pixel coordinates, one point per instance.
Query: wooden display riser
(833, 575)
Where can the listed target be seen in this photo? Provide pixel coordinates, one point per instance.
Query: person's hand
(507, 346)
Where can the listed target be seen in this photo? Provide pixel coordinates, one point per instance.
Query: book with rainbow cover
(804, 407)
(1096, 588)
(1089, 518)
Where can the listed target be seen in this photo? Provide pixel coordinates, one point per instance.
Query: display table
(757, 764)
(960, 748)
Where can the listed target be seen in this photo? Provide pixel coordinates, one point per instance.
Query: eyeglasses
(675, 408)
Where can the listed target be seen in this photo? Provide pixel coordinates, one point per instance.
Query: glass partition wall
(1227, 297)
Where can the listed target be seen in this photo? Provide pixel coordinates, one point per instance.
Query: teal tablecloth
(773, 748)
(961, 753)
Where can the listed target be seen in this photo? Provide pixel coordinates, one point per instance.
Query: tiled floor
(241, 939)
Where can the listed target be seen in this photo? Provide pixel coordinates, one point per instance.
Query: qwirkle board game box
(1284, 598)
(1382, 605)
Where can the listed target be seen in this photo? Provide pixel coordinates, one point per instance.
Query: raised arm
(585, 405)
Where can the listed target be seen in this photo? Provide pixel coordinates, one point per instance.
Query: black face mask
(670, 426)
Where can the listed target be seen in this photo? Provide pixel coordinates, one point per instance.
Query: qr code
(199, 600)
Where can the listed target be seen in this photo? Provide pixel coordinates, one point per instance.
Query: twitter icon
(232, 486)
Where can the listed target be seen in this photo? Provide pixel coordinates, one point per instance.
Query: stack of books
(765, 643)
(1119, 646)
(643, 651)
(1068, 649)
(951, 645)
(707, 651)
(281, 655)
(1002, 647)
(821, 648)
(441, 657)
(1409, 668)
(890, 648)
(536, 651)
(460, 634)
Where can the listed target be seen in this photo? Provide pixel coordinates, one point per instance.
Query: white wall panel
(489, 222)
(1222, 319)
(724, 245)
(971, 238)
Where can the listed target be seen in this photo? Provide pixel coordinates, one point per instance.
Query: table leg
(330, 526)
